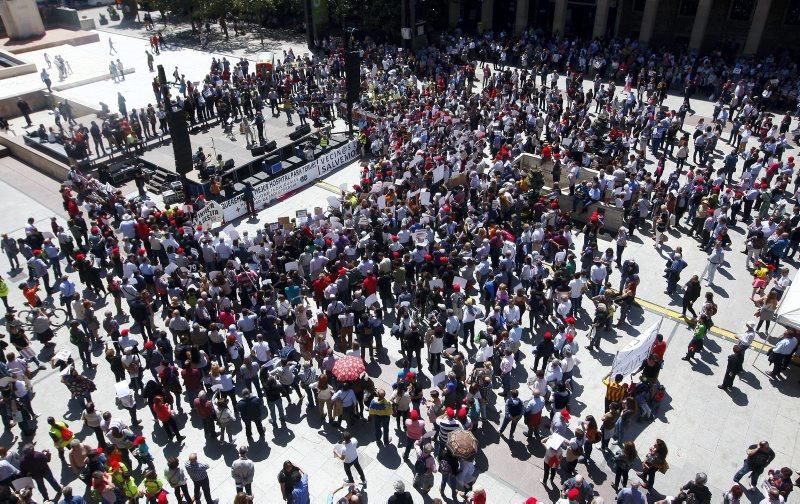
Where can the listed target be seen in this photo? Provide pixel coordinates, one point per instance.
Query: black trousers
(206, 489)
(349, 472)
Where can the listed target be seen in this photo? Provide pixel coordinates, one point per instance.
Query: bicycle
(57, 316)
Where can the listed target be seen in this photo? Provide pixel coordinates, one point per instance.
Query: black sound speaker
(300, 131)
(259, 150)
(181, 142)
(352, 69)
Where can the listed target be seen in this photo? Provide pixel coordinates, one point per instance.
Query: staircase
(161, 177)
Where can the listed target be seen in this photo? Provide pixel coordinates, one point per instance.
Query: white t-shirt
(576, 287)
(348, 450)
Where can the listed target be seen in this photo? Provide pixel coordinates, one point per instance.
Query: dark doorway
(470, 15)
(505, 12)
(540, 15)
(580, 20)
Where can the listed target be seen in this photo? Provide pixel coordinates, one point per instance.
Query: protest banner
(631, 357)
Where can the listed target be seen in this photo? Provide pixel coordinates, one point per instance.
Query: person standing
(715, 260)
(249, 407)
(697, 488)
(249, 199)
(198, 473)
(36, 465)
(758, 458)
(781, 353)
(10, 247)
(691, 293)
(615, 389)
(46, 79)
(380, 409)
(150, 60)
(4, 293)
(400, 495)
(655, 461)
(176, 477)
(513, 412)
(347, 452)
(623, 459)
(243, 471)
(733, 368)
(631, 495)
(25, 110)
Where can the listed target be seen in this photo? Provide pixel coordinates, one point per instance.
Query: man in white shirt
(347, 452)
(261, 350)
(576, 289)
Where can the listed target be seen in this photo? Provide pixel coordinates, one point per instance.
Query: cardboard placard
(425, 198)
(436, 283)
(301, 214)
(555, 442)
(381, 202)
(438, 174)
(286, 222)
(291, 266)
(461, 282)
(231, 231)
(371, 300)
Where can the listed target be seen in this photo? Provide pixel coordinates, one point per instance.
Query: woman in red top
(164, 414)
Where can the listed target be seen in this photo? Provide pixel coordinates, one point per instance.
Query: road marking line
(716, 330)
(328, 186)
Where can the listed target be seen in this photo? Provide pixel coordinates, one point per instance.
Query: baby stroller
(648, 396)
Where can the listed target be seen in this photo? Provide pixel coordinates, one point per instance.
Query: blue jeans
(619, 427)
(271, 405)
(505, 379)
(755, 472)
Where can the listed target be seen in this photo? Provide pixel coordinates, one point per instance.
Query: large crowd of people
(446, 245)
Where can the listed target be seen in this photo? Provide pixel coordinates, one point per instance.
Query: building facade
(745, 27)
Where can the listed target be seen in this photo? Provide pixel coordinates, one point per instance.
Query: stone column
(487, 15)
(648, 21)
(454, 13)
(700, 23)
(521, 21)
(600, 18)
(757, 26)
(560, 17)
(21, 19)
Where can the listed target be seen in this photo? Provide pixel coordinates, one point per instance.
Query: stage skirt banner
(631, 357)
(278, 187)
